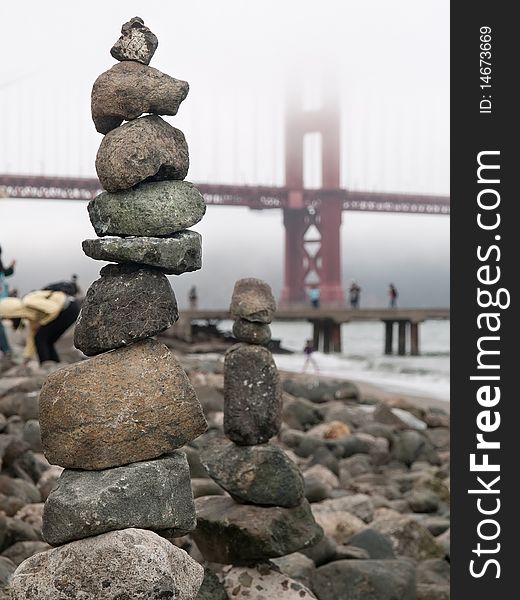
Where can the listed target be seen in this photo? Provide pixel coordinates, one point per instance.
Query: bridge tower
(312, 221)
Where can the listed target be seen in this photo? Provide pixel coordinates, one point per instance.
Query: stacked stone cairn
(116, 421)
(266, 515)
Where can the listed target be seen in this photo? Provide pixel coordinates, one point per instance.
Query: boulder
(153, 494)
(174, 255)
(145, 149)
(252, 395)
(228, 532)
(132, 563)
(365, 580)
(127, 304)
(125, 406)
(130, 89)
(137, 42)
(155, 209)
(261, 474)
(250, 332)
(252, 300)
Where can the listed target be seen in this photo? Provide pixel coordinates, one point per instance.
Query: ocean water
(363, 359)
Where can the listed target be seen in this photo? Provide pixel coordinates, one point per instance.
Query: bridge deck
(337, 315)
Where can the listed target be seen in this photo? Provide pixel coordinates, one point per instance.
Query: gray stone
(32, 435)
(127, 304)
(251, 333)
(228, 532)
(155, 209)
(125, 406)
(300, 413)
(423, 501)
(432, 591)
(365, 580)
(211, 588)
(7, 568)
(340, 524)
(375, 543)
(21, 551)
(206, 487)
(359, 505)
(263, 582)
(322, 552)
(436, 525)
(130, 89)
(137, 42)
(252, 395)
(180, 253)
(434, 571)
(252, 300)
(261, 474)
(124, 564)
(315, 489)
(152, 495)
(145, 149)
(296, 565)
(347, 551)
(408, 537)
(408, 446)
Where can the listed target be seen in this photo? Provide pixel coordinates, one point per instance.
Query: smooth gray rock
(137, 42)
(130, 89)
(155, 209)
(145, 149)
(252, 300)
(180, 253)
(130, 564)
(375, 543)
(252, 395)
(261, 474)
(32, 435)
(365, 580)
(153, 494)
(228, 532)
(211, 588)
(21, 551)
(322, 552)
(251, 333)
(127, 304)
(423, 501)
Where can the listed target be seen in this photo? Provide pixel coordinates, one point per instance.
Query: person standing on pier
(5, 349)
(193, 298)
(392, 292)
(314, 296)
(354, 292)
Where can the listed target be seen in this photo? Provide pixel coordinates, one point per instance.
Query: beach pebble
(131, 563)
(252, 395)
(261, 474)
(253, 301)
(174, 255)
(137, 42)
(147, 148)
(211, 588)
(374, 542)
(363, 579)
(228, 532)
(136, 404)
(130, 89)
(142, 495)
(127, 304)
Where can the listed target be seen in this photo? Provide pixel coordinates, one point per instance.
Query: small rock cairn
(267, 515)
(115, 421)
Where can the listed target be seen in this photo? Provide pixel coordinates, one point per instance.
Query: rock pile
(115, 421)
(267, 515)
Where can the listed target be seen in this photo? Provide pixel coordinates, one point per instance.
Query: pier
(327, 323)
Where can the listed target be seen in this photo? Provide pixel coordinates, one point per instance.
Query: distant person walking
(5, 349)
(392, 293)
(314, 296)
(309, 358)
(193, 298)
(354, 291)
(49, 314)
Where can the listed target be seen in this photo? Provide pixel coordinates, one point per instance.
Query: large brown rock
(228, 532)
(252, 395)
(252, 300)
(137, 42)
(121, 407)
(145, 149)
(130, 564)
(130, 89)
(127, 304)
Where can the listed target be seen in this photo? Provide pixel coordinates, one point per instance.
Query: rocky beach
(375, 468)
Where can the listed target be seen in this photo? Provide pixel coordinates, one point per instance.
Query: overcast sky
(390, 61)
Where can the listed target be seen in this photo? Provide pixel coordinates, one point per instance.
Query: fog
(390, 62)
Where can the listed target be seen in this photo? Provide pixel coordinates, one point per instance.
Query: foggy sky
(390, 61)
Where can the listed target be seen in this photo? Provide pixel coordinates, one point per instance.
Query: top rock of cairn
(137, 42)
